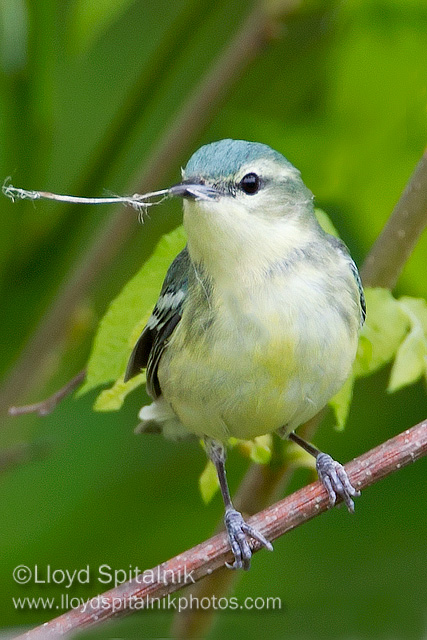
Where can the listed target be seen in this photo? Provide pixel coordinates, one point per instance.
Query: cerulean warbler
(257, 322)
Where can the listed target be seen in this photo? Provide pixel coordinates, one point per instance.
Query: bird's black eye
(250, 183)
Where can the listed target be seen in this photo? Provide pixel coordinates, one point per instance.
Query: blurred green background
(88, 92)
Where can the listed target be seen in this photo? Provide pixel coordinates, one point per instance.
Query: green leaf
(411, 361)
(385, 327)
(325, 222)
(299, 458)
(393, 329)
(416, 310)
(112, 399)
(208, 482)
(258, 450)
(128, 313)
(363, 356)
(341, 402)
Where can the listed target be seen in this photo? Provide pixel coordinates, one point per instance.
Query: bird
(256, 325)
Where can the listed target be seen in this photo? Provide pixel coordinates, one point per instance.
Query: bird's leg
(331, 473)
(237, 529)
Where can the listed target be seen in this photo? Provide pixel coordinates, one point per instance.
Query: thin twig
(138, 201)
(209, 556)
(395, 243)
(44, 407)
(250, 40)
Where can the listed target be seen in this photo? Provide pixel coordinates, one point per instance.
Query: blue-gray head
(251, 173)
(244, 204)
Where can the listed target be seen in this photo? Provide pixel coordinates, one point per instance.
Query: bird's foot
(335, 480)
(238, 531)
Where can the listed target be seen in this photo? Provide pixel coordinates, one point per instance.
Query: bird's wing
(342, 248)
(166, 314)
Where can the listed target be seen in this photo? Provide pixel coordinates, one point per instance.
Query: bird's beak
(193, 190)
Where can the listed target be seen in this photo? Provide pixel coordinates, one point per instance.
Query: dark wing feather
(166, 314)
(342, 247)
(361, 293)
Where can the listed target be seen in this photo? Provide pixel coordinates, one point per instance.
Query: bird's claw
(335, 480)
(238, 532)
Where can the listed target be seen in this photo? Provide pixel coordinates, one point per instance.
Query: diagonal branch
(395, 243)
(209, 556)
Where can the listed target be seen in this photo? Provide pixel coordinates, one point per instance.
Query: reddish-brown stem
(44, 407)
(396, 241)
(209, 556)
